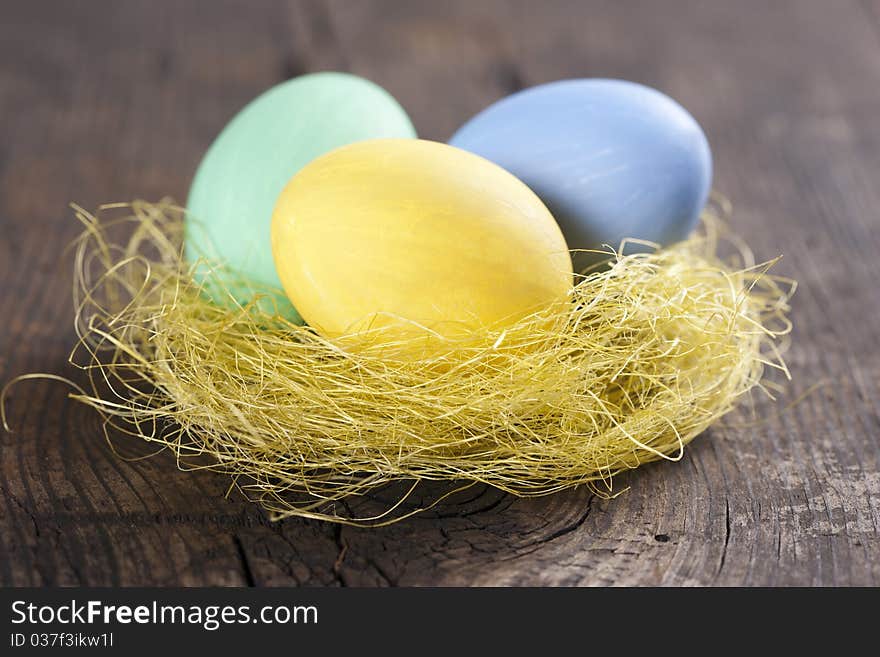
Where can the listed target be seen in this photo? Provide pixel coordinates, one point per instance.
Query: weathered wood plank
(108, 101)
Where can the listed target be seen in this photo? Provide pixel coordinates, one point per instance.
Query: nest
(653, 348)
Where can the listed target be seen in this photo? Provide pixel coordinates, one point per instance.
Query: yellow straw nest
(652, 350)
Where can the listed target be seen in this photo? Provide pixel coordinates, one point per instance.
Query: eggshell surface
(611, 159)
(414, 235)
(238, 182)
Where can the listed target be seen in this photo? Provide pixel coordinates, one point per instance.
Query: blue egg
(611, 159)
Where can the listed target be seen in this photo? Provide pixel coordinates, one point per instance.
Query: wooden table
(108, 101)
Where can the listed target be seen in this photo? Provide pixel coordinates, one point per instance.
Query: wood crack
(249, 578)
(342, 547)
(568, 529)
(21, 506)
(383, 574)
(726, 537)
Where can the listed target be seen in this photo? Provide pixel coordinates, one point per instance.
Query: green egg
(237, 183)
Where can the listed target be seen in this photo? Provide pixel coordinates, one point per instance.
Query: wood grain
(106, 101)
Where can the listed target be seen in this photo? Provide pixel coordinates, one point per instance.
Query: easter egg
(414, 237)
(611, 159)
(243, 172)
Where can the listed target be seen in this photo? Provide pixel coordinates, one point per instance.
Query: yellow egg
(406, 236)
